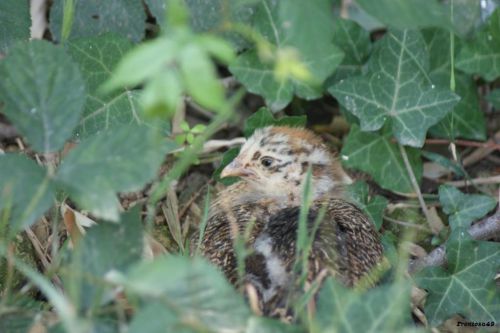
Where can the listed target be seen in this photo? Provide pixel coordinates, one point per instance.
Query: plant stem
(414, 183)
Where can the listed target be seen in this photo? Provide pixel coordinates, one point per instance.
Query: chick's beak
(236, 169)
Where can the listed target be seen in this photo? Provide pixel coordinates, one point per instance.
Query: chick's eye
(266, 161)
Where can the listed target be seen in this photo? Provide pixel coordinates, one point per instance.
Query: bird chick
(272, 166)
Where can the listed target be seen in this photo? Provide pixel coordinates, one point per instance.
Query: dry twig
(484, 229)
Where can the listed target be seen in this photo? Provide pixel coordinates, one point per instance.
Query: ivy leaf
(398, 90)
(209, 16)
(403, 14)
(118, 160)
(373, 207)
(289, 29)
(43, 92)
(354, 41)
(482, 55)
(378, 156)
(15, 22)
(466, 120)
(106, 247)
(463, 209)
(194, 288)
(26, 191)
(494, 98)
(382, 309)
(467, 285)
(263, 117)
(97, 58)
(123, 17)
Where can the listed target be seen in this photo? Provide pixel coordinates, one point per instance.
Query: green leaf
(106, 247)
(151, 57)
(466, 120)
(123, 17)
(118, 160)
(157, 318)
(404, 14)
(209, 16)
(482, 55)
(191, 288)
(381, 309)
(444, 162)
(398, 90)
(463, 209)
(43, 92)
(162, 95)
(467, 16)
(226, 159)
(15, 22)
(263, 117)
(199, 76)
(494, 98)
(467, 285)
(26, 191)
(381, 158)
(97, 58)
(354, 41)
(373, 207)
(289, 27)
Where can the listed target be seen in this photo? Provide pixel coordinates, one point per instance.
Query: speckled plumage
(268, 198)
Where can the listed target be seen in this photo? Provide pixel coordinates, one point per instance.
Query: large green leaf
(263, 117)
(467, 285)
(118, 160)
(26, 191)
(15, 22)
(106, 247)
(466, 120)
(482, 55)
(354, 41)
(382, 309)
(97, 58)
(209, 16)
(403, 14)
(43, 92)
(192, 289)
(398, 90)
(307, 30)
(381, 158)
(463, 209)
(373, 206)
(94, 17)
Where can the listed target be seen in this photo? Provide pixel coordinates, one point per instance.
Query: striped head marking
(274, 162)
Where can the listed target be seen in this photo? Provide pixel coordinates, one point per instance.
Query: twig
(484, 229)
(475, 181)
(464, 143)
(414, 182)
(213, 145)
(407, 224)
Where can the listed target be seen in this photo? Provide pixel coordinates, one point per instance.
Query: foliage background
(105, 128)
